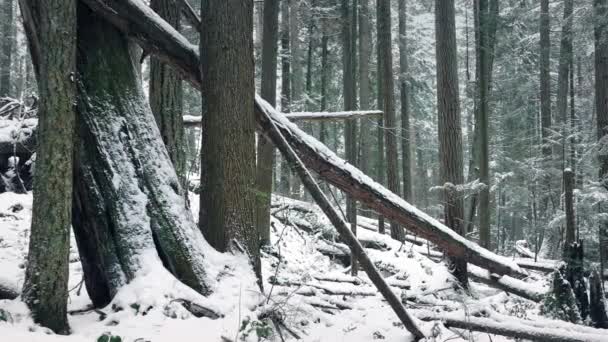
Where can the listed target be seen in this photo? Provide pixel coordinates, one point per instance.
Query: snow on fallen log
(327, 116)
(533, 292)
(18, 137)
(514, 327)
(546, 266)
(159, 38)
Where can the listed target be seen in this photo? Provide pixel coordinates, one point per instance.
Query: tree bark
(166, 94)
(405, 106)
(284, 182)
(8, 27)
(365, 37)
(450, 134)
(545, 97)
(45, 288)
(265, 150)
(228, 147)
(565, 58)
(387, 102)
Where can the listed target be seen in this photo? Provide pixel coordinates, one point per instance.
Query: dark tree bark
(597, 302)
(545, 95)
(324, 81)
(45, 289)
(166, 94)
(405, 106)
(265, 150)
(8, 27)
(601, 107)
(565, 58)
(228, 148)
(569, 207)
(284, 181)
(450, 134)
(365, 37)
(348, 91)
(387, 102)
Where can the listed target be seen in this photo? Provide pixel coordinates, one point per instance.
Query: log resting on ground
(514, 327)
(140, 23)
(8, 290)
(18, 137)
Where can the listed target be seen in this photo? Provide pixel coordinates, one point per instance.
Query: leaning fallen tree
(141, 24)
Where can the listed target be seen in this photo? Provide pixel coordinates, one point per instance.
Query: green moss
(108, 337)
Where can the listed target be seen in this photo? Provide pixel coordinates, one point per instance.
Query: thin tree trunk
(364, 85)
(227, 202)
(450, 134)
(405, 110)
(265, 150)
(284, 182)
(601, 106)
(166, 95)
(545, 99)
(8, 28)
(348, 89)
(565, 58)
(387, 97)
(45, 289)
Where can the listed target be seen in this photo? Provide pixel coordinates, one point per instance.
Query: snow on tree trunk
(127, 202)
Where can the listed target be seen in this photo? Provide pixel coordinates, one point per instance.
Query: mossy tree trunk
(45, 289)
(128, 202)
(227, 211)
(166, 95)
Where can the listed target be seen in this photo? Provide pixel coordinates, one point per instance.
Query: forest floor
(313, 296)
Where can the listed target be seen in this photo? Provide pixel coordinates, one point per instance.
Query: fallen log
(195, 121)
(512, 327)
(546, 266)
(149, 30)
(273, 133)
(506, 283)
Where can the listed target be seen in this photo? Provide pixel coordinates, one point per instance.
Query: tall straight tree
(405, 106)
(601, 105)
(545, 95)
(284, 182)
(227, 211)
(450, 132)
(483, 89)
(365, 38)
(45, 289)
(348, 91)
(166, 95)
(265, 150)
(386, 97)
(565, 58)
(8, 27)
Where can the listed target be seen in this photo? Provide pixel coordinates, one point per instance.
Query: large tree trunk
(145, 30)
(601, 106)
(45, 289)
(450, 134)
(565, 58)
(165, 94)
(265, 150)
(387, 102)
(127, 199)
(8, 27)
(228, 147)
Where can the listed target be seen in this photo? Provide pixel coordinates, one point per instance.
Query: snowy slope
(304, 295)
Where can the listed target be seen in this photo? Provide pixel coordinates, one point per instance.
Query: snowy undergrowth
(298, 299)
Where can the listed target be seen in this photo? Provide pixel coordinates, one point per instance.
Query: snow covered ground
(308, 291)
